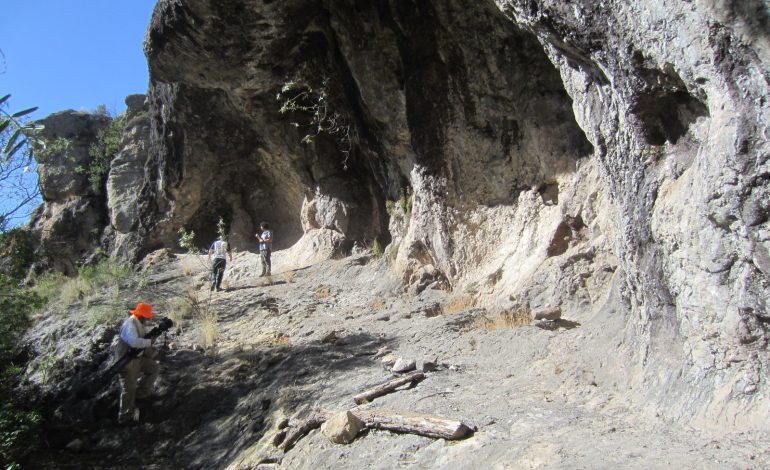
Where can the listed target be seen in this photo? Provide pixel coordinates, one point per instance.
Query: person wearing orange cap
(132, 334)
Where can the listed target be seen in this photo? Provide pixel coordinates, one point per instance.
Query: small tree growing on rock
(311, 106)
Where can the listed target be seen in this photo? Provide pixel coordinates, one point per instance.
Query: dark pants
(217, 271)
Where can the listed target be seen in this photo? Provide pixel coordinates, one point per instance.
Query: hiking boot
(212, 287)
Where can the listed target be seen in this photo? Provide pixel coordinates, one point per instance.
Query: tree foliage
(103, 150)
(18, 180)
(16, 306)
(16, 252)
(311, 107)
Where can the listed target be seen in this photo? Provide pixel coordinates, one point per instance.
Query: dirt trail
(314, 337)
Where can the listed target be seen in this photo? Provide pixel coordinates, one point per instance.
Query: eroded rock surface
(70, 222)
(610, 158)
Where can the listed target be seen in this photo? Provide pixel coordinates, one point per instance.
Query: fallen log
(387, 387)
(414, 423)
(296, 433)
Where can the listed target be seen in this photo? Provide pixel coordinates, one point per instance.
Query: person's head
(142, 311)
(264, 225)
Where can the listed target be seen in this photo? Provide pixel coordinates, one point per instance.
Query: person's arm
(129, 334)
(259, 239)
(269, 238)
(211, 249)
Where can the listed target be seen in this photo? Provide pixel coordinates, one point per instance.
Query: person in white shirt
(131, 335)
(221, 250)
(265, 239)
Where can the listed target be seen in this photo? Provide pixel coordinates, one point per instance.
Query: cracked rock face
(593, 156)
(674, 99)
(72, 218)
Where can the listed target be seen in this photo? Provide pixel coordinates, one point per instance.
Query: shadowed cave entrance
(488, 112)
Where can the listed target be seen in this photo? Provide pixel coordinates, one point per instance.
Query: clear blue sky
(70, 54)
(73, 54)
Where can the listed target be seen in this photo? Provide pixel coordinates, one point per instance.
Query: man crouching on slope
(132, 335)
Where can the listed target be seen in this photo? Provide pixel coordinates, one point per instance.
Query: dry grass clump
(274, 338)
(288, 276)
(378, 303)
(190, 265)
(71, 291)
(457, 304)
(110, 312)
(208, 330)
(323, 292)
(180, 309)
(517, 316)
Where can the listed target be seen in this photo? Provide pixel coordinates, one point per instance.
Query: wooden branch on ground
(414, 423)
(298, 432)
(380, 390)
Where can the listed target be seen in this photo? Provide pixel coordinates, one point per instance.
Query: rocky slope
(310, 338)
(609, 158)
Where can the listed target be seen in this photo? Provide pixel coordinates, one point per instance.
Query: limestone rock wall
(673, 96)
(69, 224)
(608, 157)
(126, 181)
(521, 152)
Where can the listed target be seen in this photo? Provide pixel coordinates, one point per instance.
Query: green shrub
(110, 312)
(59, 291)
(405, 201)
(186, 241)
(103, 151)
(105, 272)
(16, 252)
(376, 249)
(19, 434)
(49, 285)
(106, 314)
(313, 108)
(16, 305)
(18, 429)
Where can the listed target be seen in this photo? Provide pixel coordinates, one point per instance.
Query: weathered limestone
(670, 94)
(126, 178)
(70, 222)
(608, 157)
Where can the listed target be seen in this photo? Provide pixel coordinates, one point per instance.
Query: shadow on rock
(207, 409)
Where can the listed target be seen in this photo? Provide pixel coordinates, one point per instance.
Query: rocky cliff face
(70, 222)
(674, 99)
(611, 158)
(83, 215)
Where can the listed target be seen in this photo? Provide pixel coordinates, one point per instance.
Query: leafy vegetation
(186, 240)
(18, 428)
(19, 434)
(59, 291)
(16, 252)
(16, 305)
(376, 249)
(221, 229)
(311, 106)
(18, 180)
(103, 151)
(402, 207)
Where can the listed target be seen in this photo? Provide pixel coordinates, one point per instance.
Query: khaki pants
(129, 379)
(265, 257)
